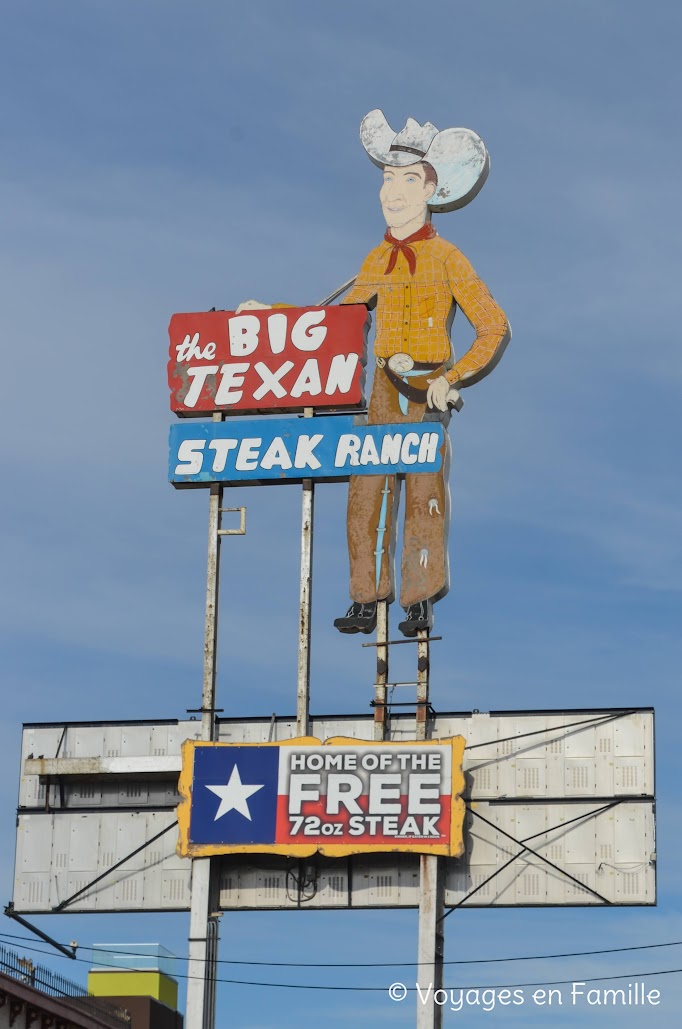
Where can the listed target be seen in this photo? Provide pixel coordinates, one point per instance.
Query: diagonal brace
(69, 952)
(536, 854)
(526, 849)
(93, 882)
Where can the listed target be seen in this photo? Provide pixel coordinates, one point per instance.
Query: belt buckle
(400, 364)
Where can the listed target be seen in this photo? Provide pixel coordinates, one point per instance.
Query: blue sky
(171, 156)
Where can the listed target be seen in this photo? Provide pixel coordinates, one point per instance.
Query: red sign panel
(282, 359)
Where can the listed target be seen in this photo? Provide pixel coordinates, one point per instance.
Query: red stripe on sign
(315, 825)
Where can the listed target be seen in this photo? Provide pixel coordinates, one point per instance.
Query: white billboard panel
(568, 795)
(580, 857)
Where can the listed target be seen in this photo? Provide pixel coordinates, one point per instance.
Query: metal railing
(55, 985)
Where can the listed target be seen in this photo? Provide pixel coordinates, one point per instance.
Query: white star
(234, 795)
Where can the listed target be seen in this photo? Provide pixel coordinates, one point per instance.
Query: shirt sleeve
(486, 316)
(364, 289)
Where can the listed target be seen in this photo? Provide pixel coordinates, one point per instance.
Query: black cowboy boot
(418, 616)
(358, 618)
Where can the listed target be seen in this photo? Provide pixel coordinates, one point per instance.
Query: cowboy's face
(405, 195)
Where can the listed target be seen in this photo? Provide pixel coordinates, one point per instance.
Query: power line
(391, 964)
(409, 989)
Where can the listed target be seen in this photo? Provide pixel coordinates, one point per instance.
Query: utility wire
(410, 989)
(389, 964)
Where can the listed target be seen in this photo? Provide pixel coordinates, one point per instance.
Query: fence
(55, 985)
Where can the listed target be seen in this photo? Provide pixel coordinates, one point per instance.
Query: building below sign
(288, 450)
(300, 797)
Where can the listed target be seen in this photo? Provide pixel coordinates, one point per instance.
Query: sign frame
(275, 352)
(454, 848)
(277, 451)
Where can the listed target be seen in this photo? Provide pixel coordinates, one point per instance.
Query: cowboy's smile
(404, 196)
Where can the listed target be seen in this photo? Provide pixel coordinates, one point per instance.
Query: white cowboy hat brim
(458, 156)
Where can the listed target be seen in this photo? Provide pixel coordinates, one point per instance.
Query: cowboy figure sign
(414, 281)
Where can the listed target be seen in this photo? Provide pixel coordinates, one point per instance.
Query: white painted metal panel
(84, 793)
(111, 746)
(86, 742)
(60, 854)
(332, 887)
(383, 881)
(630, 735)
(378, 879)
(43, 740)
(84, 844)
(31, 892)
(580, 777)
(574, 759)
(530, 777)
(136, 739)
(544, 779)
(579, 742)
(34, 839)
(74, 883)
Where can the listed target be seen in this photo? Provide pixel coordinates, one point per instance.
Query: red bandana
(427, 231)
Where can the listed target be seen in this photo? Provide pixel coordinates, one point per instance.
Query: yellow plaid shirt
(414, 312)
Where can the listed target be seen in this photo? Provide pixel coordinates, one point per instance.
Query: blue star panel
(213, 766)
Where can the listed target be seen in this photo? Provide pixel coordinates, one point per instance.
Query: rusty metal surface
(141, 767)
(211, 624)
(305, 602)
(380, 685)
(201, 966)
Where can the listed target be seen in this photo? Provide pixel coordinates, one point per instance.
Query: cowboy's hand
(252, 305)
(442, 393)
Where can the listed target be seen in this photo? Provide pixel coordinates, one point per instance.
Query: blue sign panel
(291, 449)
(234, 795)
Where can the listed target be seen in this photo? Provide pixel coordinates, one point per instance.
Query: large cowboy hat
(458, 156)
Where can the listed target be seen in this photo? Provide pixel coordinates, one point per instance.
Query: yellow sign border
(457, 808)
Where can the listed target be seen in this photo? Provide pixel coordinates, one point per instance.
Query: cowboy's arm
(487, 318)
(364, 289)
(358, 294)
(361, 293)
(256, 305)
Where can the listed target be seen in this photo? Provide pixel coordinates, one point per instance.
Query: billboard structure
(568, 796)
(407, 807)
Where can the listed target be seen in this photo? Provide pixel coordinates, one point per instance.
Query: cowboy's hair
(429, 173)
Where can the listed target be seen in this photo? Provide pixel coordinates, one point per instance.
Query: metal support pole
(423, 659)
(208, 723)
(199, 971)
(212, 940)
(431, 941)
(303, 686)
(380, 691)
(203, 941)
